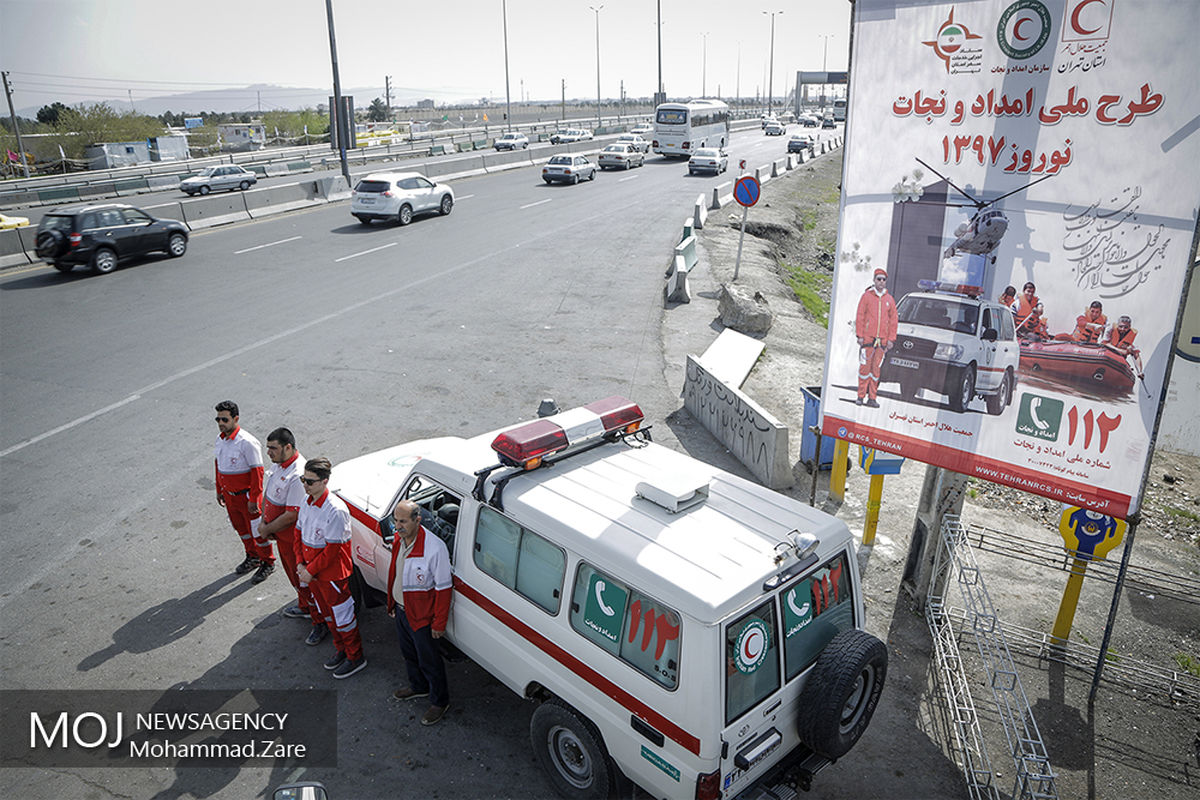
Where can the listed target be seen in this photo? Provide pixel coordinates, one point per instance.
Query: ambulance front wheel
(571, 752)
(842, 692)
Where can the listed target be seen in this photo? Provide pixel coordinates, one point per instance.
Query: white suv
(957, 345)
(398, 196)
(678, 626)
(570, 135)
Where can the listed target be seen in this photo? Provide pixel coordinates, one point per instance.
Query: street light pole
(704, 67)
(771, 72)
(661, 97)
(825, 66)
(597, 10)
(343, 135)
(507, 91)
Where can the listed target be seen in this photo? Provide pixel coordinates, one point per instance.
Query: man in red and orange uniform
(875, 326)
(1121, 339)
(324, 564)
(1089, 326)
(239, 478)
(1024, 306)
(282, 495)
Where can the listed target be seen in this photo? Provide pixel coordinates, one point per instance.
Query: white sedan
(398, 196)
(708, 159)
(620, 156)
(635, 141)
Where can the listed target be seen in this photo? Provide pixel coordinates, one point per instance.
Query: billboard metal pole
(337, 97)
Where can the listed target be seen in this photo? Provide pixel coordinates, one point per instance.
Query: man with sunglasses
(875, 325)
(239, 479)
(324, 564)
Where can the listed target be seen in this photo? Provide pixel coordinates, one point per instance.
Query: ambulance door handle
(645, 730)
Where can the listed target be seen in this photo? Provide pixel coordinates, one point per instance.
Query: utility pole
(597, 10)
(737, 89)
(387, 94)
(507, 90)
(337, 98)
(259, 93)
(622, 97)
(13, 116)
(771, 72)
(564, 99)
(704, 65)
(662, 96)
(132, 110)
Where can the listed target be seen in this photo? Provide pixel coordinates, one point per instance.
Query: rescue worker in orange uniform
(1089, 326)
(1121, 339)
(1035, 327)
(875, 326)
(1024, 305)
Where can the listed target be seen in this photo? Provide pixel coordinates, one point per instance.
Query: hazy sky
(77, 51)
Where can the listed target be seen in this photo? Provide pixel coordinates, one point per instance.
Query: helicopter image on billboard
(981, 234)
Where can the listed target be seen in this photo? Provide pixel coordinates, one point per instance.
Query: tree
(378, 112)
(86, 125)
(48, 115)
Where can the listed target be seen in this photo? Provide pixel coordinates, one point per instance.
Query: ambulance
(677, 626)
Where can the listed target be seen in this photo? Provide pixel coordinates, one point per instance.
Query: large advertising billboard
(1019, 204)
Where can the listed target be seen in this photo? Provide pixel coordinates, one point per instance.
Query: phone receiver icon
(607, 609)
(1041, 424)
(799, 611)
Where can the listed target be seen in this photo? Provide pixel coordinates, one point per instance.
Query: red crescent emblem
(1017, 28)
(1076, 25)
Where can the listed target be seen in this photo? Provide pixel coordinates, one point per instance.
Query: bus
(680, 128)
(839, 110)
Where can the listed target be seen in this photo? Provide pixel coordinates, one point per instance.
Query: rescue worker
(1089, 326)
(1035, 327)
(1121, 339)
(875, 326)
(282, 495)
(1009, 296)
(239, 478)
(419, 589)
(324, 564)
(1024, 305)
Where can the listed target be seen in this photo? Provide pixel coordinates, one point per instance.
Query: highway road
(118, 566)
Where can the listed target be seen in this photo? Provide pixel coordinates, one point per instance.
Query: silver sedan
(620, 156)
(708, 159)
(228, 176)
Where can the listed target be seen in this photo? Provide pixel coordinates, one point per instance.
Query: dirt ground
(1140, 738)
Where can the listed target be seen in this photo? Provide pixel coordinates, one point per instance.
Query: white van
(678, 626)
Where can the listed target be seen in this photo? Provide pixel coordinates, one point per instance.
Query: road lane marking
(268, 244)
(630, 178)
(538, 203)
(365, 252)
(464, 197)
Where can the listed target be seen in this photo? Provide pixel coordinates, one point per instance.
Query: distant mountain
(267, 97)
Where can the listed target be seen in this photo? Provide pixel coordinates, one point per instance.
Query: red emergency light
(953, 288)
(527, 445)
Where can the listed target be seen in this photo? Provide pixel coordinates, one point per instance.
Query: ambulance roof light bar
(526, 446)
(947, 286)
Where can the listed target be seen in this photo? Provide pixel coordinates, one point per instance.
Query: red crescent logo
(751, 639)
(1017, 28)
(1076, 25)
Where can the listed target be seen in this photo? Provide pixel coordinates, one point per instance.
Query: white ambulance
(677, 625)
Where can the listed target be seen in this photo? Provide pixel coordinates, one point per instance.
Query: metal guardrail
(955, 566)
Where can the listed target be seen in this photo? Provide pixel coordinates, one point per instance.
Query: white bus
(839, 110)
(680, 128)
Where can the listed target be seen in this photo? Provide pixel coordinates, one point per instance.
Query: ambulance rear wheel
(571, 752)
(842, 692)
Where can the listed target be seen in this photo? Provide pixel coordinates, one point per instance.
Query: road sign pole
(1070, 600)
(874, 500)
(737, 265)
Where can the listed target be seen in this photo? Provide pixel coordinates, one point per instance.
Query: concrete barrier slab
(12, 250)
(163, 182)
(731, 356)
(212, 210)
(279, 199)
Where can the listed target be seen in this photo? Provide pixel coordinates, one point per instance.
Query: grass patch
(1175, 511)
(834, 195)
(807, 286)
(1188, 664)
(972, 493)
(808, 219)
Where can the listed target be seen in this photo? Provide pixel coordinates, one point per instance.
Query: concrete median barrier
(163, 182)
(172, 209)
(699, 213)
(12, 249)
(278, 199)
(333, 189)
(506, 159)
(277, 170)
(722, 194)
(130, 186)
(62, 194)
(222, 209)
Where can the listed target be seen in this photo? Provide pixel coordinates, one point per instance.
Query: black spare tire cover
(51, 244)
(842, 692)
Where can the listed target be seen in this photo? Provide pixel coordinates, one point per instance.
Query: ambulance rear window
(626, 623)
(815, 609)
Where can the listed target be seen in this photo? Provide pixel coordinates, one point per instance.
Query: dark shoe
(265, 568)
(433, 715)
(295, 612)
(407, 693)
(348, 668)
(858, 402)
(250, 563)
(316, 636)
(336, 661)
(872, 403)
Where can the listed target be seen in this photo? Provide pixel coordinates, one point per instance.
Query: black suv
(103, 235)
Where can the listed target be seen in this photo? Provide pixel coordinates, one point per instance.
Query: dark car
(104, 235)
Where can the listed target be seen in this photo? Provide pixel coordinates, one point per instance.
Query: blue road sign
(746, 191)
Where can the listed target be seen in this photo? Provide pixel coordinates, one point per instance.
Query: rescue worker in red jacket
(282, 495)
(1089, 326)
(1121, 339)
(419, 582)
(238, 467)
(1024, 306)
(323, 562)
(875, 326)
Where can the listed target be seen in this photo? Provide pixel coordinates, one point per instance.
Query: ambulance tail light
(708, 786)
(527, 445)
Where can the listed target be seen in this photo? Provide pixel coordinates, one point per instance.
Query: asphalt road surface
(118, 563)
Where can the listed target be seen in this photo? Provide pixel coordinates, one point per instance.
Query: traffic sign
(742, 165)
(746, 191)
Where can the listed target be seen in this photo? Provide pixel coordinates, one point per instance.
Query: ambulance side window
(628, 624)
(751, 660)
(815, 609)
(520, 559)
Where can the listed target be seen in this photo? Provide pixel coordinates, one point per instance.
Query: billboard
(1051, 146)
